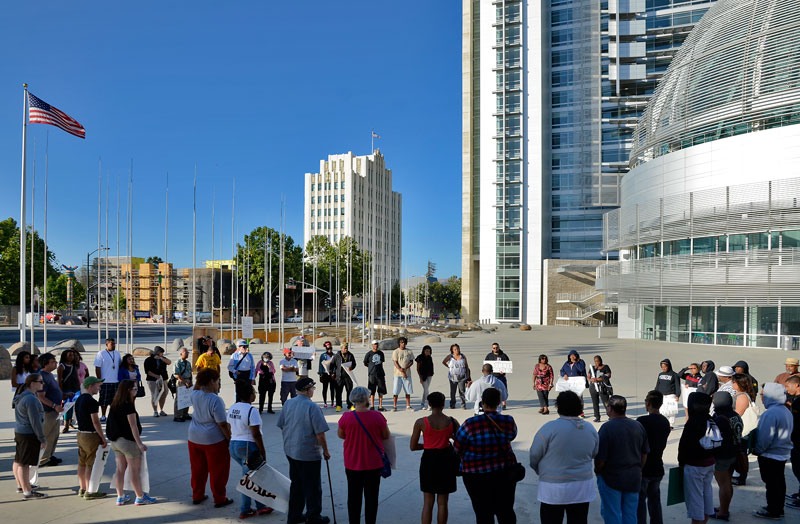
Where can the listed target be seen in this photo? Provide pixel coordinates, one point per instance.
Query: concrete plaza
(634, 366)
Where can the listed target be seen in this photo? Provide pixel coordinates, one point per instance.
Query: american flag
(375, 135)
(40, 112)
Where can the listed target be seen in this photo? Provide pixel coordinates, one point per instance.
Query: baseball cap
(725, 371)
(304, 383)
(375, 341)
(242, 343)
(90, 381)
(792, 361)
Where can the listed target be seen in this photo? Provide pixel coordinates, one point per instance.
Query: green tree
(118, 303)
(396, 297)
(155, 260)
(57, 291)
(9, 262)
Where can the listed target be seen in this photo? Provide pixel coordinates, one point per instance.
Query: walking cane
(333, 508)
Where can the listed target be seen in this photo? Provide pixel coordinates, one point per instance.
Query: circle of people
(623, 458)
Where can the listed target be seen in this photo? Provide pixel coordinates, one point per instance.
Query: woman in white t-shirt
(247, 444)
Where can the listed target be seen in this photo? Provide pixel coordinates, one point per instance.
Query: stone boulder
(188, 342)
(19, 347)
(429, 339)
(74, 345)
(450, 334)
(223, 341)
(5, 364)
(513, 325)
(319, 342)
(175, 345)
(142, 352)
(395, 331)
(256, 341)
(322, 334)
(525, 327)
(293, 341)
(226, 348)
(390, 344)
(403, 331)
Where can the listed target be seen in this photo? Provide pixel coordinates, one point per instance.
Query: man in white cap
(241, 366)
(725, 374)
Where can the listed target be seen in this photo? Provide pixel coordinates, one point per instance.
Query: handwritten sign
(303, 352)
(576, 384)
(184, 397)
(268, 486)
(500, 366)
(247, 327)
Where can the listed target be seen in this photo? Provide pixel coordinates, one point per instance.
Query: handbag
(140, 391)
(515, 471)
(172, 385)
(749, 419)
(386, 470)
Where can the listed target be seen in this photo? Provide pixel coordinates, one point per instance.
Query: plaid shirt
(484, 448)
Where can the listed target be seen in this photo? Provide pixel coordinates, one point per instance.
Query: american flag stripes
(375, 135)
(40, 112)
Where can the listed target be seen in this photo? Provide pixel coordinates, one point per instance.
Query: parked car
(295, 318)
(71, 321)
(53, 317)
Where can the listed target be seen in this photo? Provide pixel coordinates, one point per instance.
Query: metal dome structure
(738, 72)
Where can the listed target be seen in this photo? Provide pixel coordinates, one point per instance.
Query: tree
(9, 262)
(57, 291)
(396, 297)
(155, 260)
(118, 303)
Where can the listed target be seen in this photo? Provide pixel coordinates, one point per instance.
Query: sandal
(717, 516)
(247, 514)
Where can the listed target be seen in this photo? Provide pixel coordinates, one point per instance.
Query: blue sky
(257, 90)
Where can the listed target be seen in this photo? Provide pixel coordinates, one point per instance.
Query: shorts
(87, 448)
(107, 392)
(28, 447)
(126, 448)
(152, 385)
(698, 492)
(401, 383)
(377, 384)
(725, 464)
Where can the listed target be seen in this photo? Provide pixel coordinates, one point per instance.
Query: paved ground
(634, 365)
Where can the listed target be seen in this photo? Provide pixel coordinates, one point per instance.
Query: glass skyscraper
(552, 91)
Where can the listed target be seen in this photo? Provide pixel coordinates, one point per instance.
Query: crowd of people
(622, 461)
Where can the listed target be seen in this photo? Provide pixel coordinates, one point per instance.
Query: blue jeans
(617, 507)
(240, 451)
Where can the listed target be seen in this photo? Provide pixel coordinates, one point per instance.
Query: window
(790, 239)
(313, 200)
(312, 212)
(335, 198)
(342, 212)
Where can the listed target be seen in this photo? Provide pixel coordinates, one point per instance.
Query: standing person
(288, 376)
(599, 376)
(742, 368)
(210, 359)
(691, 376)
(209, 435)
(697, 460)
(487, 381)
(791, 370)
(51, 399)
(363, 431)
(266, 382)
(242, 366)
(129, 370)
(247, 444)
(67, 373)
(124, 432)
(773, 447)
(792, 386)
(494, 355)
(29, 436)
(573, 367)
(106, 365)
(730, 425)
(324, 373)
(725, 377)
(543, 382)
(22, 368)
(340, 363)
(457, 374)
(657, 428)
(487, 461)
(403, 359)
(438, 466)
(374, 360)
(425, 372)
(709, 383)
(90, 435)
(561, 454)
(618, 465)
(743, 395)
(183, 378)
(668, 384)
(83, 371)
(155, 367)
(303, 426)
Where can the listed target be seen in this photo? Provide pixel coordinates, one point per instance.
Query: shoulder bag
(516, 470)
(386, 470)
(749, 419)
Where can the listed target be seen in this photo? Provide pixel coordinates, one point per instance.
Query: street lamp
(88, 273)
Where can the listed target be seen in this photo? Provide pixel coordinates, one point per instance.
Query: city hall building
(708, 231)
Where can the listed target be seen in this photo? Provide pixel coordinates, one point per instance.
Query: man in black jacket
(340, 363)
(709, 384)
(495, 355)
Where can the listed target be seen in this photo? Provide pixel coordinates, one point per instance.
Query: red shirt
(359, 452)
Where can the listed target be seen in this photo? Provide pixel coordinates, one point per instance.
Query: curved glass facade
(737, 72)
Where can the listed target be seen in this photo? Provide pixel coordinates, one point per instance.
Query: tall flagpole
(22, 243)
(119, 276)
(46, 147)
(233, 255)
(105, 266)
(33, 230)
(166, 286)
(194, 249)
(99, 239)
(213, 248)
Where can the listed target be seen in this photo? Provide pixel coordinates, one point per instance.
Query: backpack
(713, 437)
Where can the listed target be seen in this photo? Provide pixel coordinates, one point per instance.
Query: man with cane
(304, 426)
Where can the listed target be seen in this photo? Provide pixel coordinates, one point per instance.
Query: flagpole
(165, 286)
(33, 230)
(194, 249)
(213, 248)
(233, 256)
(99, 239)
(105, 266)
(116, 295)
(46, 258)
(22, 240)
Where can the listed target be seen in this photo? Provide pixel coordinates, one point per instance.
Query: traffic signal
(277, 301)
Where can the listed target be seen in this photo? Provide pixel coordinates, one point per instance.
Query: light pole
(88, 272)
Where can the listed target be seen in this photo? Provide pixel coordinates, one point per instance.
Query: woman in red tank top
(439, 463)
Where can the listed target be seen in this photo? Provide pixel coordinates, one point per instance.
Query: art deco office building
(552, 91)
(352, 196)
(709, 225)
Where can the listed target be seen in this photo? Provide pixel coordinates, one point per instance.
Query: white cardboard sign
(247, 327)
(500, 366)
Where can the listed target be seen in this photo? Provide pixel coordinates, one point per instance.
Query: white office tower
(351, 196)
(551, 93)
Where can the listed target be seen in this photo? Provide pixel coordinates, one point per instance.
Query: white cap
(725, 371)
(375, 341)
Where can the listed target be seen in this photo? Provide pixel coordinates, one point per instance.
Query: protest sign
(247, 327)
(184, 397)
(268, 486)
(33, 472)
(576, 384)
(303, 352)
(500, 366)
(145, 476)
(100, 459)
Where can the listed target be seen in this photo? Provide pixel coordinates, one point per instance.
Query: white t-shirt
(108, 362)
(238, 419)
(289, 377)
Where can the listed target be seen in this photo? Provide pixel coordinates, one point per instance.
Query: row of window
(674, 19)
(336, 224)
(721, 244)
(327, 199)
(327, 212)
